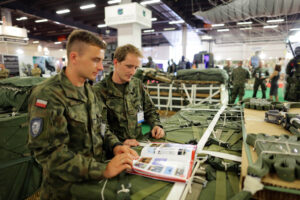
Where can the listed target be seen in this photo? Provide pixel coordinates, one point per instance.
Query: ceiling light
(21, 18)
(246, 28)
(59, 12)
(295, 29)
(41, 20)
(176, 22)
(217, 25)
(169, 29)
(243, 23)
(114, 1)
(57, 42)
(149, 2)
(101, 25)
(154, 19)
(19, 51)
(223, 30)
(272, 26)
(275, 20)
(148, 31)
(60, 49)
(207, 37)
(35, 42)
(57, 22)
(87, 6)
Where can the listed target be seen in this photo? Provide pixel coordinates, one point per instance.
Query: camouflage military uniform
(4, 73)
(66, 128)
(123, 107)
(239, 77)
(292, 91)
(260, 75)
(36, 72)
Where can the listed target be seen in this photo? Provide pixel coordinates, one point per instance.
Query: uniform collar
(113, 90)
(71, 90)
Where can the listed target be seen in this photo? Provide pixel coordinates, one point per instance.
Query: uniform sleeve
(150, 114)
(49, 138)
(110, 139)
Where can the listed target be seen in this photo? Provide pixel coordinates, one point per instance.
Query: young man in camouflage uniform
(239, 78)
(127, 101)
(3, 72)
(68, 132)
(260, 73)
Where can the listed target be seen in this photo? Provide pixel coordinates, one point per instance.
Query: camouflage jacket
(123, 108)
(66, 128)
(4, 73)
(239, 76)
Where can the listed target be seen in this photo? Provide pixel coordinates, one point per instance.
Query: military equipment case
(15, 91)
(20, 175)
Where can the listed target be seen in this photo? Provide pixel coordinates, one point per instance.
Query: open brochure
(166, 161)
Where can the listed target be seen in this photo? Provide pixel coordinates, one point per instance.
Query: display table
(274, 188)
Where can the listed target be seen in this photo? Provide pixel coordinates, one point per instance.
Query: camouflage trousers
(238, 90)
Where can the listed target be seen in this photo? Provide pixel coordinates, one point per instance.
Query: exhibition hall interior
(150, 99)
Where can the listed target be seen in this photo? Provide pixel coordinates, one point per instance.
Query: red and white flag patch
(41, 103)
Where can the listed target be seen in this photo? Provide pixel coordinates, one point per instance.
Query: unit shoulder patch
(36, 126)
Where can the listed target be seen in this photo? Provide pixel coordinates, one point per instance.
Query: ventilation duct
(239, 10)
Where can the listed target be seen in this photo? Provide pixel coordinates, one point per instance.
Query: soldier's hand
(120, 149)
(119, 163)
(131, 142)
(157, 132)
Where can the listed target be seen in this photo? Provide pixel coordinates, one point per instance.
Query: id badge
(140, 117)
(102, 129)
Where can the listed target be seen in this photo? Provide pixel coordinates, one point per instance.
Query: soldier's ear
(115, 61)
(73, 57)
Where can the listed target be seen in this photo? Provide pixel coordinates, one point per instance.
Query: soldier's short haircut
(78, 38)
(122, 51)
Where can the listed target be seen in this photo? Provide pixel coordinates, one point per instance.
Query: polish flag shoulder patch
(41, 103)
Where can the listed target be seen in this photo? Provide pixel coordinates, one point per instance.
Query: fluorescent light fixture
(21, 18)
(154, 19)
(243, 23)
(295, 29)
(57, 42)
(275, 20)
(41, 20)
(246, 28)
(176, 22)
(207, 37)
(149, 2)
(87, 6)
(114, 1)
(57, 22)
(169, 29)
(64, 11)
(223, 30)
(19, 51)
(36, 42)
(271, 26)
(148, 31)
(217, 25)
(101, 25)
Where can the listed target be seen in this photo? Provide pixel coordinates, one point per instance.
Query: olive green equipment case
(14, 92)
(20, 175)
